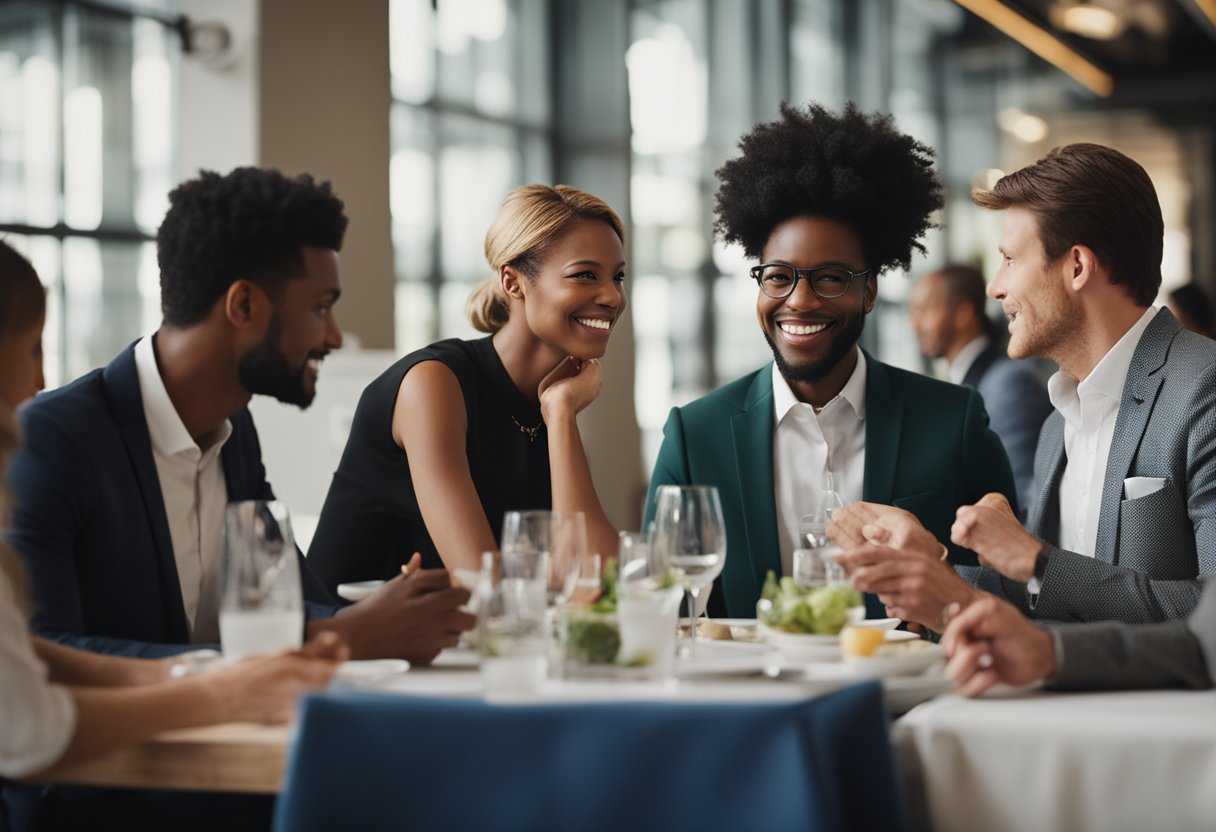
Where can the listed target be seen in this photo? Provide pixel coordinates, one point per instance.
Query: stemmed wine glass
(549, 546)
(690, 538)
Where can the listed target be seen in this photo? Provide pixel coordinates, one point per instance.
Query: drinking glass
(546, 544)
(690, 540)
(648, 604)
(513, 635)
(261, 605)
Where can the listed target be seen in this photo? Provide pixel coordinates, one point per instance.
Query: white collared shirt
(805, 443)
(195, 493)
(965, 358)
(1090, 409)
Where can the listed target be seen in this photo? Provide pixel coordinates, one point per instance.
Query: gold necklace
(530, 432)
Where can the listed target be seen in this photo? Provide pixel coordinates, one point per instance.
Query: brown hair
(1090, 195)
(532, 218)
(22, 297)
(22, 305)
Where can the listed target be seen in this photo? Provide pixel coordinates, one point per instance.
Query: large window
(471, 120)
(86, 142)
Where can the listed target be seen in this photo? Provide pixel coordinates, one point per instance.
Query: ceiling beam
(1043, 43)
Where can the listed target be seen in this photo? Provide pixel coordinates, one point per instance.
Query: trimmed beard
(264, 370)
(816, 371)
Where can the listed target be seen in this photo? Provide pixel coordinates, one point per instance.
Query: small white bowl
(801, 647)
(359, 590)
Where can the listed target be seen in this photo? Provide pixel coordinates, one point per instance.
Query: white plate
(878, 623)
(724, 658)
(801, 648)
(909, 663)
(359, 590)
(368, 673)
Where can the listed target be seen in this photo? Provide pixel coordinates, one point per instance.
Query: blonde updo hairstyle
(531, 220)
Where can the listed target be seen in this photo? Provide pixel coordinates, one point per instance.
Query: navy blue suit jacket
(90, 520)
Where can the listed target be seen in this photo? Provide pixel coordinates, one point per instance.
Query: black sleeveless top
(371, 523)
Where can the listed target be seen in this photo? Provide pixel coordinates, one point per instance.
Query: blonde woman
(62, 705)
(455, 434)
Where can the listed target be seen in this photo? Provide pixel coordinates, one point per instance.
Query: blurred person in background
(457, 433)
(946, 311)
(1193, 309)
(823, 203)
(61, 705)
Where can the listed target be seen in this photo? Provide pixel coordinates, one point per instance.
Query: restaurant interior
(423, 114)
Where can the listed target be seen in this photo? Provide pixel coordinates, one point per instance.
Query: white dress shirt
(806, 443)
(39, 717)
(1090, 409)
(965, 358)
(195, 493)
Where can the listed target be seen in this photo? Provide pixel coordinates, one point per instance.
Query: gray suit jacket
(1112, 654)
(1017, 404)
(1150, 551)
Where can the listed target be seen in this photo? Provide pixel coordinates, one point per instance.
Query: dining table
(251, 758)
(1009, 760)
(1030, 759)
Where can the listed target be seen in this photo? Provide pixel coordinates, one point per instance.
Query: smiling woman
(467, 417)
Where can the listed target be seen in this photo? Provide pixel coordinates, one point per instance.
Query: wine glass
(261, 605)
(545, 545)
(690, 538)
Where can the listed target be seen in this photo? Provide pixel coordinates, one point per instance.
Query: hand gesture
(413, 616)
(991, 530)
(913, 582)
(264, 688)
(862, 522)
(570, 386)
(990, 642)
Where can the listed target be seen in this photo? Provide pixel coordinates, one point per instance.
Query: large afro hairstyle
(251, 223)
(853, 167)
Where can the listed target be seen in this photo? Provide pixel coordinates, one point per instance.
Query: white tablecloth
(1136, 761)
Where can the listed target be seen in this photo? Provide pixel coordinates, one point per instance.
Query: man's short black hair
(251, 223)
(854, 168)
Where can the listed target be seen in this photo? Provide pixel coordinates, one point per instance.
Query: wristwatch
(1035, 585)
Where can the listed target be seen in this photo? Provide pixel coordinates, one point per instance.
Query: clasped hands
(889, 553)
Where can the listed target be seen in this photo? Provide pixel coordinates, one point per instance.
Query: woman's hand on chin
(570, 386)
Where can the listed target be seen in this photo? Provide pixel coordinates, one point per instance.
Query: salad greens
(794, 608)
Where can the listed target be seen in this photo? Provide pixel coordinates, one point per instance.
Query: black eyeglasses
(778, 280)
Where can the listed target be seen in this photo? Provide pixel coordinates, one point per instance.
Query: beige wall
(325, 95)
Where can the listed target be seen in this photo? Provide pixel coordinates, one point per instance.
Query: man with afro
(823, 203)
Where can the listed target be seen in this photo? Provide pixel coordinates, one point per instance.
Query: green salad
(793, 608)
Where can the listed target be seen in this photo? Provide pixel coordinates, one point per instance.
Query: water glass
(648, 605)
(545, 544)
(261, 605)
(513, 636)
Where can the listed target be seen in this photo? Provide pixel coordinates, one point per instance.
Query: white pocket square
(1136, 487)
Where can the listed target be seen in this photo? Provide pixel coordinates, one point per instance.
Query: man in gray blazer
(991, 642)
(946, 311)
(1124, 524)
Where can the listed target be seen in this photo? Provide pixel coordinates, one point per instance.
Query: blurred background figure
(946, 311)
(1193, 309)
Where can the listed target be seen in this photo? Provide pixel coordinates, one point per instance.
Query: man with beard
(824, 202)
(125, 473)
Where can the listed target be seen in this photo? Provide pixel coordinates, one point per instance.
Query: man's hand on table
(991, 530)
(990, 641)
(412, 616)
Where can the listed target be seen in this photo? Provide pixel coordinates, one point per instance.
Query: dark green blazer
(928, 450)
